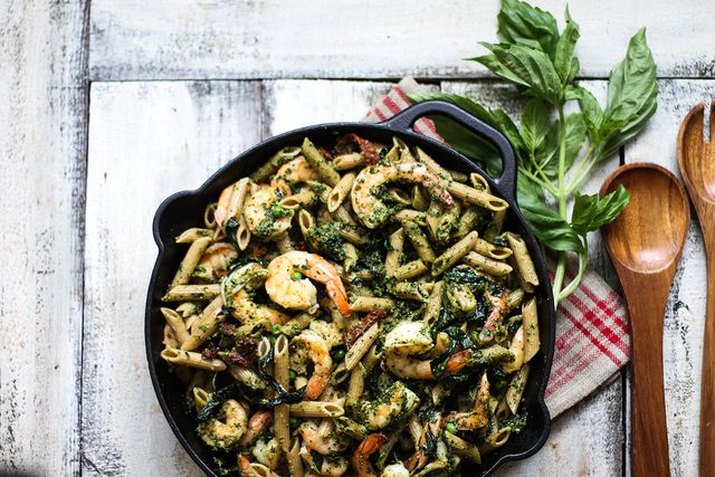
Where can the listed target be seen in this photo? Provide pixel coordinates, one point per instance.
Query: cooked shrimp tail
(361, 456)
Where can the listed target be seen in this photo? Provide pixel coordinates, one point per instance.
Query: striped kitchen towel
(592, 334)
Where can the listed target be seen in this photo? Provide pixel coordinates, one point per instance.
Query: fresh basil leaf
(591, 212)
(534, 124)
(526, 66)
(519, 22)
(563, 57)
(632, 96)
(503, 123)
(553, 231)
(548, 157)
(592, 112)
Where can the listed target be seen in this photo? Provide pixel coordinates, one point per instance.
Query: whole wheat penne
(467, 221)
(176, 323)
(516, 388)
(495, 225)
(355, 385)
(411, 270)
(320, 164)
(396, 241)
(489, 250)
(303, 198)
(463, 448)
(207, 324)
(418, 199)
(193, 234)
(316, 409)
(192, 292)
(417, 291)
(420, 218)
(248, 377)
(369, 303)
(371, 359)
(419, 241)
(531, 330)
(353, 235)
(191, 259)
(477, 197)
(295, 462)
(487, 265)
(356, 352)
(517, 349)
(434, 303)
(523, 262)
(342, 214)
(479, 182)
(454, 254)
(191, 359)
(441, 220)
(340, 191)
(278, 159)
(348, 161)
(281, 413)
(399, 196)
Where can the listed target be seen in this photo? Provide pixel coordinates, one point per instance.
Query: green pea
(276, 329)
(272, 339)
(292, 375)
(296, 276)
(451, 428)
(339, 354)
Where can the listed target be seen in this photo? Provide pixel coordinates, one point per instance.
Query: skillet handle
(405, 119)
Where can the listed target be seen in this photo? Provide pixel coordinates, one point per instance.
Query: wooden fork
(697, 165)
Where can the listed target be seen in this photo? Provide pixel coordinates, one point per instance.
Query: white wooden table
(107, 107)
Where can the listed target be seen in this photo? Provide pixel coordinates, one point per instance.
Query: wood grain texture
(42, 149)
(686, 307)
(696, 160)
(146, 142)
(134, 39)
(646, 263)
(596, 423)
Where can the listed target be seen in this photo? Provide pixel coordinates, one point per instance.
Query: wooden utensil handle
(649, 455)
(707, 393)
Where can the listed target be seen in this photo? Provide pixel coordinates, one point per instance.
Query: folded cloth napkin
(592, 334)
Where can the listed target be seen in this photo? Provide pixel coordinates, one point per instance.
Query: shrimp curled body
(226, 430)
(237, 290)
(319, 352)
(301, 294)
(370, 208)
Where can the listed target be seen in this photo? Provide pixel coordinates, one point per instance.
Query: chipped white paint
(135, 39)
(42, 149)
(685, 312)
(146, 142)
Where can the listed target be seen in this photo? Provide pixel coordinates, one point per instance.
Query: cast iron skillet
(184, 209)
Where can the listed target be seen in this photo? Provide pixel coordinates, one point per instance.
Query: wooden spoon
(697, 164)
(645, 243)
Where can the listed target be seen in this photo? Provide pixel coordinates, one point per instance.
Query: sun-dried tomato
(366, 148)
(354, 333)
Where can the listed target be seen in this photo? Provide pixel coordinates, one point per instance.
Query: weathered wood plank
(133, 39)
(596, 424)
(42, 148)
(146, 142)
(685, 311)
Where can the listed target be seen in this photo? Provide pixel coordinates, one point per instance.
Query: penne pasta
(206, 325)
(454, 254)
(271, 166)
(281, 414)
(176, 323)
(523, 262)
(479, 198)
(434, 303)
(419, 241)
(369, 303)
(355, 386)
(348, 161)
(193, 234)
(396, 242)
(191, 359)
(295, 462)
(191, 259)
(530, 323)
(316, 409)
(411, 270)
(516, 388)
(340, 191)
(320, 164)
(462, 448)
(487, 265)
(360, 347)
(420, 218)
(192, 292)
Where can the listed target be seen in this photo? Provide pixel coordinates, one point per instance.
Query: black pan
(184, 209)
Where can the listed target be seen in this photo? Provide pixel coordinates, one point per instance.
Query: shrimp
(334, 466)
(370, 208)
(396, 402)
(216, 261)
(237, 289)
(499, 306)
(265, 217)
(258, 422)
(301, 294)
(267, 452)
(246, 468)
(478, 417)
(225, 431)
(361, 456)
(409, 338)
(395, 470)
(311, 342)
(293, 172)
(322, 443)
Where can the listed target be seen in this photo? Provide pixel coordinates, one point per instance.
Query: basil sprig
(533, 54)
